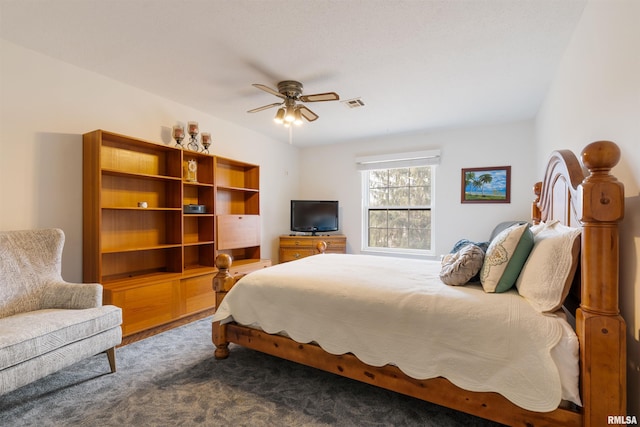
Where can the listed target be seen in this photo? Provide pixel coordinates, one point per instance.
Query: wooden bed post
(600, 328)
(535, 206)
(222, 283)
(321, 247)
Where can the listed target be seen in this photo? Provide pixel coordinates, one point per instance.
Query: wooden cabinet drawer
(333, 245)
(238, 231)
(296, 247)
(311, 243)
(295, 253)
(245, 267)
(198, 293)
(293, 242)
(145, 306)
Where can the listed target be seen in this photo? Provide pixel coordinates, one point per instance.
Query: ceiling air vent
(353, 103)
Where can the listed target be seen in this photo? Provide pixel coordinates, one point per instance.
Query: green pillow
(505, 258)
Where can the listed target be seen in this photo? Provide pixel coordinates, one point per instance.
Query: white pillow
(545, 279)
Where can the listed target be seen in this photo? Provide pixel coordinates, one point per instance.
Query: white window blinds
(398, 160)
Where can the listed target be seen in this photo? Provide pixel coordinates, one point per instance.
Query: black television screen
(314, 215)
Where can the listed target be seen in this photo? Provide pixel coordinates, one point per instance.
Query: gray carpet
(172, 379)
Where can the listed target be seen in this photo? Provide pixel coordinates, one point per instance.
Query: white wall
(329, 172)
(45, 107)
(596, 96)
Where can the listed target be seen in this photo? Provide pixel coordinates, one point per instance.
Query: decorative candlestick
(192, 128)
(178, 135)
(206, 141)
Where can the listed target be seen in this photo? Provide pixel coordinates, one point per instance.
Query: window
(398, 204)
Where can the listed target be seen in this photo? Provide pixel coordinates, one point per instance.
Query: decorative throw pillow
(464, 242)
(505, 257)
(458, 268)
(546, 277)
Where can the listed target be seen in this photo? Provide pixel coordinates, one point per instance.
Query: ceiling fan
(290, 110)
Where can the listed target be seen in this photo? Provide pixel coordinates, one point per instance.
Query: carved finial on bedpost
(536, 215)
(599, 326)
(601, 156)
(222, 283)
(321, 247)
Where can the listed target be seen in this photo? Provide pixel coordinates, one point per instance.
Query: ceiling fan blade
(265, 107)
(308, 114)
(328, 96)
(268, 89)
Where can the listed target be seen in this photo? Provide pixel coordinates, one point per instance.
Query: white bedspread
(397, 311)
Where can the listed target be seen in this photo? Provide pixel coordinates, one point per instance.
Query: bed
(587, 379)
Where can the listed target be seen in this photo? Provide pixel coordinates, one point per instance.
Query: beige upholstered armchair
(47, 324)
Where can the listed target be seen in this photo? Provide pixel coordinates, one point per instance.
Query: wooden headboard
(560, 202)
(593, 199)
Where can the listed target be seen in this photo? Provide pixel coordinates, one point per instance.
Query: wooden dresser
(296, 247)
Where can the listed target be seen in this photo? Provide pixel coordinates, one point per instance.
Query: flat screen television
(314, 216)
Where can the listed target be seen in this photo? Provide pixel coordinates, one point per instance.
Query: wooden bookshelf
(153, 259)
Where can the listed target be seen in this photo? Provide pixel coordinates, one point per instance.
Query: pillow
(458, 268)
(546, 277)
(505, 257)
(503, 226)
(464, 242)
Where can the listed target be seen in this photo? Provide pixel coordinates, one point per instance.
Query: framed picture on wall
(486, 185)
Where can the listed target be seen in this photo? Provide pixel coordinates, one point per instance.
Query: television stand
(297, 247)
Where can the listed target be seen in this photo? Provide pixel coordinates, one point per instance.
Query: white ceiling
(417, 64)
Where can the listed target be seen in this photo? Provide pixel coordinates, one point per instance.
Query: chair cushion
(28, 335)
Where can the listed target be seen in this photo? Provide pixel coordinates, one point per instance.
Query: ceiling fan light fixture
(292, 108)
(290, 114)
(297, 116)
(279, 118)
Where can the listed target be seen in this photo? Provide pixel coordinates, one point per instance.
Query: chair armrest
(71, 295)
